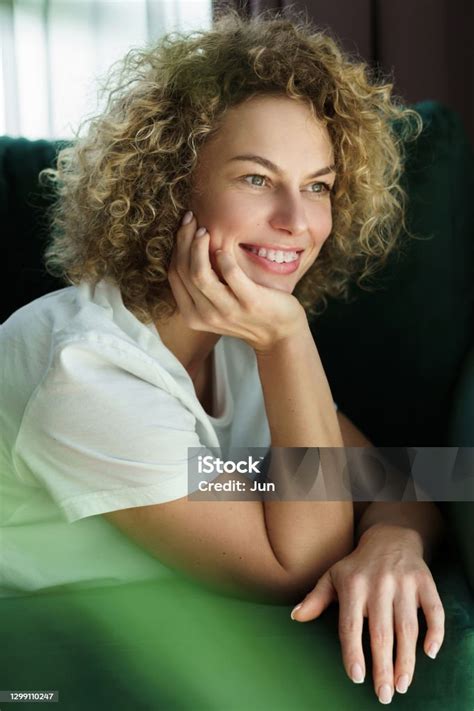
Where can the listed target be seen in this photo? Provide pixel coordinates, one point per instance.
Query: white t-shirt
(96, 415)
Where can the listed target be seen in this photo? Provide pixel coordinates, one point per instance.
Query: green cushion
(170, 645)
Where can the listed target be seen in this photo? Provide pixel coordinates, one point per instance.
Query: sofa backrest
(393, 357)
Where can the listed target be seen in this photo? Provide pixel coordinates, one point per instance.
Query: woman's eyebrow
(271, 166)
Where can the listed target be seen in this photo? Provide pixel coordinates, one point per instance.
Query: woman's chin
(280, 283)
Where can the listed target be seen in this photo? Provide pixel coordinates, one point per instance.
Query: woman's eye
(262, 177)
(323, 187)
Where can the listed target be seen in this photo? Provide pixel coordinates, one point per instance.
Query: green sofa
(400, 362)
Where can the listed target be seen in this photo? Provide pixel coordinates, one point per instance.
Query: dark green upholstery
(461, 514)
(24, 224)
(171, 646)
(401, 366)
(395, 355)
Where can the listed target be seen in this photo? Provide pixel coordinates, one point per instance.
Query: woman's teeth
(274, 255)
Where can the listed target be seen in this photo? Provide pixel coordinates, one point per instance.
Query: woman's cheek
(328, 224)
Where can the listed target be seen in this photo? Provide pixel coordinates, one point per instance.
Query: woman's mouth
(277, 261)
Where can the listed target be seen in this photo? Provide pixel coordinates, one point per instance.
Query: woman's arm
(271, 551)
(423, 518)
(384, 579)
(300, 412)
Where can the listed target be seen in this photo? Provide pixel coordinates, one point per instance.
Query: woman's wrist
(420, 519)
(284, 342)
(386, 534)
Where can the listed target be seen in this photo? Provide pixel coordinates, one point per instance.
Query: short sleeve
(100, 437)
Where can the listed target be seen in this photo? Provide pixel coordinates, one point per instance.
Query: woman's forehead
(271, 110)
(269, 127)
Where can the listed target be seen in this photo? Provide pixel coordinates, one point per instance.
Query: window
(53, 52)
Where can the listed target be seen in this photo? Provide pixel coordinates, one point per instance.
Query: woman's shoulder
(70, 338)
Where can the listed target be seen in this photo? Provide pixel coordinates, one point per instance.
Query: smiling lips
(273, 247)
(282, 260)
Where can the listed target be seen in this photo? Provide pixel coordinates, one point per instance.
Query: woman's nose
(289, 214)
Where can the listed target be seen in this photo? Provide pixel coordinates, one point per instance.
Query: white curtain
(53, 51)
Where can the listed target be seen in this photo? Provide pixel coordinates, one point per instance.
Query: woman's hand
(239, 307)
(385, 579)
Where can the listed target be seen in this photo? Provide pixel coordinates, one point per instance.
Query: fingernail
(201, 231)
(295, 609)
(187, 218)
(402, 684)
(385, 694)
(433, 651)
(357, 675)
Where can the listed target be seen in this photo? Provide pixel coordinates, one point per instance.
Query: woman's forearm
(306, 536)
(422, 517)
(298, 400)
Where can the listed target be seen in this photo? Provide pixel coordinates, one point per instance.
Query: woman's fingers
(351, 624)
(317, 600)
(406, 629)
(184, 237)
(193, 265)
(236, 278)
(224, 300)
(209, 292)
(193, 261)
(181, 294)
(380, 614)
(352, 601)
(185, 249)
(433, 610)
(200, 296)
(390, 599)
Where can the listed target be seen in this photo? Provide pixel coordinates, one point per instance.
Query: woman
(196, 335)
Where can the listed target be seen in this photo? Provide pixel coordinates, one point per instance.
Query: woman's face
(277, 200)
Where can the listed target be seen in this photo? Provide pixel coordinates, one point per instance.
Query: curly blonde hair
(123, 187)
